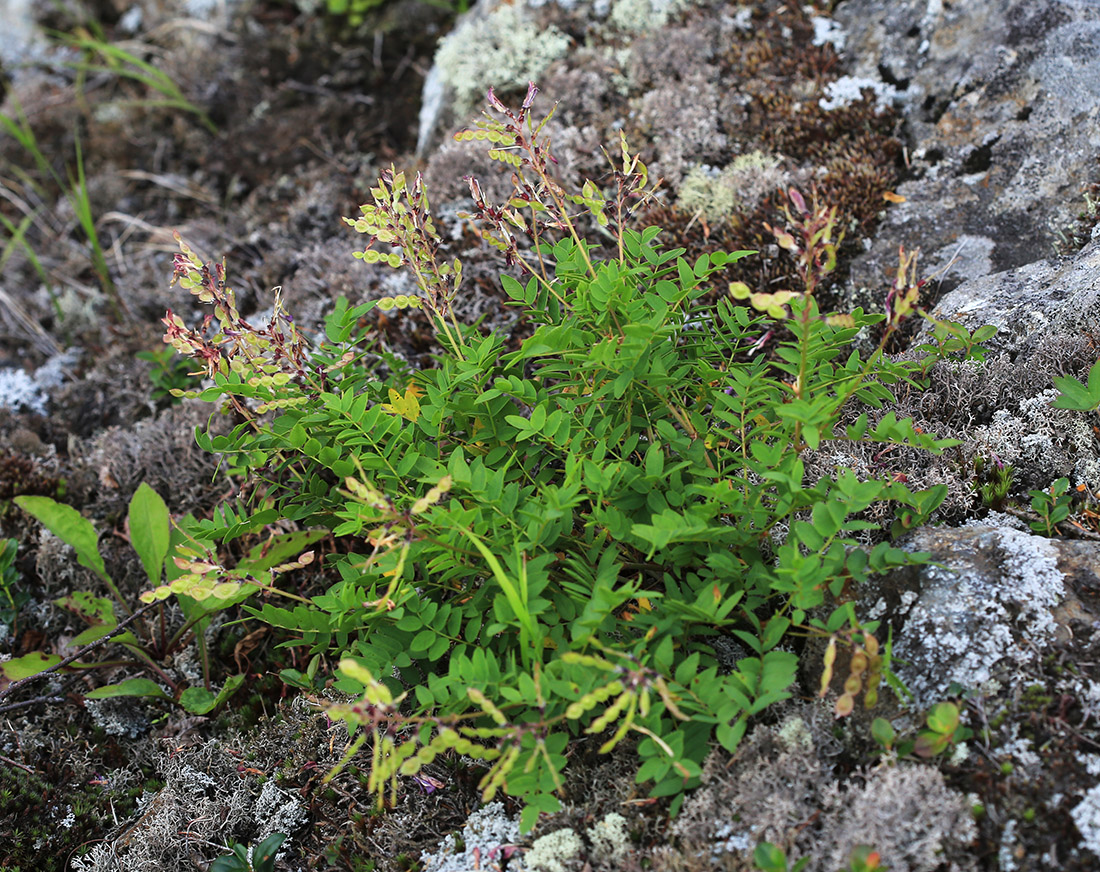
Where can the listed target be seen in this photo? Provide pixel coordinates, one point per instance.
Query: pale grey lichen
(967, 624)
(504, 49)
(19, 392)
(1006, 851)
(718, 193)
(1086, 817)
(827, 30)
(487, 830)
(794, 735)
(643, 16)
(849, 89)
(278, 811)
(554, 852)
(610, 839)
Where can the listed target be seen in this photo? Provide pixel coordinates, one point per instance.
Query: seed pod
(844, 705)
(827, 674)
(870, 699)
(859, 663)
(853, 684)
(870, 644)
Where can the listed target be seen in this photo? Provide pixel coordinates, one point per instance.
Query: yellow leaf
(408, 406)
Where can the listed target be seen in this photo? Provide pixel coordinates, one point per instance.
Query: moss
(851, 154)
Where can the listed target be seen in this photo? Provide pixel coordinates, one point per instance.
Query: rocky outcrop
(1002, 103)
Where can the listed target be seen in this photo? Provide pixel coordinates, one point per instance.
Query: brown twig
(11, 762)
(76, 654)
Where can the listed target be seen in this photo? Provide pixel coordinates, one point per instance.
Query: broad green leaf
(24, 667)
(769, 858)
(199, 700)
(150, 530)
(1075, 395)
(944, 717)
(98, 631)
(129, 687)
(70, 527)
(96, 610)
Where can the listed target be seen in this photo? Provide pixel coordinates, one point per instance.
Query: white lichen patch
(278, 810)
(1086, 817)
(1041, 439)
(848, 89)
(987, 612)
(554, 852)
(610, 839)
(827, 30)
(19, 392)
(487, 831)
(794, 735)
(644, 16)
(504, 49)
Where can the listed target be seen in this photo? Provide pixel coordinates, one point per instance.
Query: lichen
(487, 831)
(717, 194)
(643, 16)
(1086, 817)
(610, 839)
(504, 49)
(554, 852)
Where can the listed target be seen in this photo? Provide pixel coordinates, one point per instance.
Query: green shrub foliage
(548, 541)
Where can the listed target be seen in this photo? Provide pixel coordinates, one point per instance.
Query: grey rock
(1002, 103)
(992, 599)
(1027, 304)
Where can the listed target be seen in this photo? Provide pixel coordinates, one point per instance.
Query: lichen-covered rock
(985, 608)
(1002, 102)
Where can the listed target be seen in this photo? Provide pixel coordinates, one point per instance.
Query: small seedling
(944, 731)
(1052, 506)
(771, 858)
(258, 858)
(865, 859)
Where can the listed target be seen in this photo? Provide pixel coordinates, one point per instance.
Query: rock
(1028, 304)
(1002, 101)
(987, 605)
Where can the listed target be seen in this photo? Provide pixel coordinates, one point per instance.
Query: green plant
(1074, 395)
(864, 858)
(545, 541)
(1052, 506)
(76, 191)
(152, 538)
(993, 481)
(11, 599)
(168, 372)
(257, 858)
(768, 857)
(100, 56)
(945, 730)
